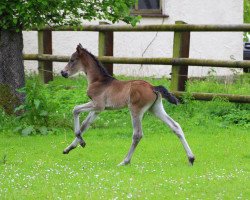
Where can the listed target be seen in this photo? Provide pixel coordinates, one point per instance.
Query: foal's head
(75, 63)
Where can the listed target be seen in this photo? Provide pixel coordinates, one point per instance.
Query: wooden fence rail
(153, 28)
(155, 61)
(211, 96)
(179, 62)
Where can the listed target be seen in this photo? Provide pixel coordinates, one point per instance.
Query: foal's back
(135, 93)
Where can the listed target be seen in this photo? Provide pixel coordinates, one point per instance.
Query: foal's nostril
(64, 74)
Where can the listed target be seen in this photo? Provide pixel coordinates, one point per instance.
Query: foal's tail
(166, 94)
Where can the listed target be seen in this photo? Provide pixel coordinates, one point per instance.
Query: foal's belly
(117, 95)
(115, 103)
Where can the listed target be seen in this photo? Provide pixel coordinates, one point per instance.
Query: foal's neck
(94, 70)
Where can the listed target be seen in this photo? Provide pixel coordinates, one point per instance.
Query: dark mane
(99, 65)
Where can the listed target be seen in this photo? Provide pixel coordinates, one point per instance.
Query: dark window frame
(148, 12)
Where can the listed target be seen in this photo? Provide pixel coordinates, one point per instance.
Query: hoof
(81, 141)
(68, 149)
(83, 144)
(65, 152)
(191, 160)
(123, 163)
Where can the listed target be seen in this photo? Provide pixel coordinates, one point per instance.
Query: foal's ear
(80, 45)
(79, 49)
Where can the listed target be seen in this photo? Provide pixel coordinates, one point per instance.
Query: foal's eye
(71, 60)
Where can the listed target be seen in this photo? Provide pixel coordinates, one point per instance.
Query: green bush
(35, 112)
(48, 107)
(231, 113)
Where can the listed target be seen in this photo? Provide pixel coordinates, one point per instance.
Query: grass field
(34, 167)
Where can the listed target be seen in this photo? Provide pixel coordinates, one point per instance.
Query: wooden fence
(179, 62)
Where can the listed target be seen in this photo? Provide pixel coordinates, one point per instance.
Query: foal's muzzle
(64, 74)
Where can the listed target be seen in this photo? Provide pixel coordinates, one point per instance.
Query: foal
(106, 92)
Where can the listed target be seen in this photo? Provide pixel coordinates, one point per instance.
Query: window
(148, 8)
(148, 4)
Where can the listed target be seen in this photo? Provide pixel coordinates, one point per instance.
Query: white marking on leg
(137, 135)
(159, 111)
(77, 110)
(88, 121)
(71, 146)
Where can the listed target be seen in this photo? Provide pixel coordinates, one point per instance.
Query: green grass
(239, 84)
(34, 167)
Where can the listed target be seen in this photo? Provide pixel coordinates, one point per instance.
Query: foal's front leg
(86, 123)
(77, 110)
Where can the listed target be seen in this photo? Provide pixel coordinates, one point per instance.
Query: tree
(18, 15)
(246, 11)
(246, 17)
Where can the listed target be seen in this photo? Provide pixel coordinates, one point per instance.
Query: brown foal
(106, 92)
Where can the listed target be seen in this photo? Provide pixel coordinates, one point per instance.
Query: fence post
(105, 46)
(45, 68)
(246, 70)
(181, 45)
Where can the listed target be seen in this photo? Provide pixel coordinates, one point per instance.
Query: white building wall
(206, 45)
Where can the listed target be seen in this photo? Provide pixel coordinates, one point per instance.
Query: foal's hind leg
(137, 135)
(159, 111)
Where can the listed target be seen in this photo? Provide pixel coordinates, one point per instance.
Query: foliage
(246, 17)
(238, 117)
(4, 121)
(237, 84)
(18, 15)
(36, 109)
(4, 159)
(246, 11)
(49, 106)
(25, 14)
(231, 114)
